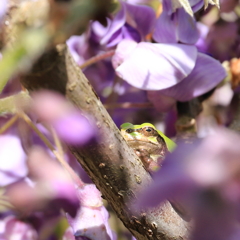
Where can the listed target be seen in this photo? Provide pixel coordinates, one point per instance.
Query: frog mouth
(142, 144)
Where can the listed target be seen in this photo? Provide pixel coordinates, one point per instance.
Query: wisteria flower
(13, 228)
(88, 44)
(222, 40)
(69, 123)
(13, 163)
(206, 75)
(201, 43)
(129, 24)
(204, 178)
(152, 66)
(91, 221)
(177, 70)
(176, 25)
(49, 187)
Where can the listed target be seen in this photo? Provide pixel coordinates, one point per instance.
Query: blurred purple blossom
(222, 40)
(78, 48)
(68, 235)
(204, 178)
(129, 24)
(70, 125)
(87, 45)
(13, 163)
(91, 221)
(49, 187)
(13, 228)
(74, 128)
(3, 8)
(203, 32)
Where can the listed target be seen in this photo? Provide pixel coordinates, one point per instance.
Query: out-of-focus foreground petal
(12, 228)
(212, 162)
(204, 178)
(70, 125)
(13, 160)
(52, 190)
(156, 66)
(3, 8)
(92, 218)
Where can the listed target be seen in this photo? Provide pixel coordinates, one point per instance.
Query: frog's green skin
(150, 144)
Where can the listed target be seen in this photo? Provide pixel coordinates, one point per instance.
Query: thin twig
(57, 142)
(32, 125)
(127, 105)
(65, 165)
(97, 58)
(9, 123)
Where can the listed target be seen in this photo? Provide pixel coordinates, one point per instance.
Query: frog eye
(148, 129)
(129, 130)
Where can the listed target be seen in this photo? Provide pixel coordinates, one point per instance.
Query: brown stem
(8, 124)
(127, 105)
(98, 58)
(58, 156)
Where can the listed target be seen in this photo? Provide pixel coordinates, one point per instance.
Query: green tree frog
(150, 144)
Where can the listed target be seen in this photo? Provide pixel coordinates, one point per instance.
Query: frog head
(145, 133)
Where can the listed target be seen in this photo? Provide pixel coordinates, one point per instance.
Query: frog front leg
(148, 162)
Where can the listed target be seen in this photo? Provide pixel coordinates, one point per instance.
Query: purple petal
(186, 28)
(99, 30)
(12, 165)
(203, 32)
(123, 51)
(157, 66)
(115, 25)
(74, 128)
(13, 228)
(115, 38)
(167, 6)
(177, 27)
(205, 175)
(92, 218)
(129, 16)
(78, 47)
(165, 31)
(130, 33)
(196, 5)
(143, 24)
(3, 8)
(170, 181)
(206, 75)
(65, 197)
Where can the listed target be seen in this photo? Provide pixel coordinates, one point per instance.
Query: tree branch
(110, 162)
